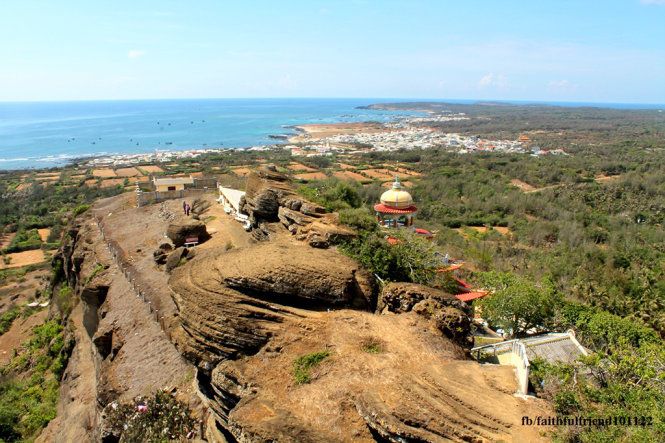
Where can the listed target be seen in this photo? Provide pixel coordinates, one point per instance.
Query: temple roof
(396, 197)
(392, 210)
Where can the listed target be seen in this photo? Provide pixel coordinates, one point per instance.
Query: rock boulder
(180, 232)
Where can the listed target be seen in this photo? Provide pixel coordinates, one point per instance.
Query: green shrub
(80, 210)
(372, 346)
(97, 269)
(8, 317)
(302, 364)
(164, 419)
(25, 240)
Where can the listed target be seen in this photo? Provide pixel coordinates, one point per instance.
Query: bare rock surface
(445, 312)
(252, 288)
(245, 315)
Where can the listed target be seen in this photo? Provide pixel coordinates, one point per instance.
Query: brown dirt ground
(6, 239)
(349, 175)
(112, 182)
(151, 169)
(389, 184)
(18, 334)
(44, 175)
(18, 292)
(23, 186)
(91, 182)
(106, 172)
(381, 174)
(300, 167)
(241, 172)
(346, 166)
(311, 176)
(127, 172)
(522, 185)
(25, 258)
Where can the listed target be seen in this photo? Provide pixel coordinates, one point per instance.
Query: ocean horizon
(50, 134)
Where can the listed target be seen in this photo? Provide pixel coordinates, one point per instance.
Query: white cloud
(558, 83)
(135, 53)
(492, 80)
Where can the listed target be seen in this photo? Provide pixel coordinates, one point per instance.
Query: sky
(610, 51)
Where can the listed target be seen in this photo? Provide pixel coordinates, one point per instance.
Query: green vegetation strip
(302, 364)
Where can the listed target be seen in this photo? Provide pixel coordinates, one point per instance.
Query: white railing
(518, 359)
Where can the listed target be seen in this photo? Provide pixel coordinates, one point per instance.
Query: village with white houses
(404, 133)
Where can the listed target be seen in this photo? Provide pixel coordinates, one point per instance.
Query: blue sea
(47, 134)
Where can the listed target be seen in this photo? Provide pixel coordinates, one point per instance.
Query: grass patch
(302, 364)
(372, 346)
(80, 210)
(97, 269)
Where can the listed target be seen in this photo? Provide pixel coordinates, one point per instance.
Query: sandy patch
(523, 186)
(112, 182)
(44, 233)
(90, 183)
(25, 258)
(329, 129)
(23, 186)
(311, 176)
(602, 178)
(127, 172)
(196, 175)
(106, 172)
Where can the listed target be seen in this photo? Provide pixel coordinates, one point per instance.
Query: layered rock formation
(231, 303)
(245, 315)
(270, 197)
(445, 312)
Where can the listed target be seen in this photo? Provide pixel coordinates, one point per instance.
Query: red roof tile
(388, 210)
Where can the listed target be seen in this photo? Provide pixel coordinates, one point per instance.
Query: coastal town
(357, 138)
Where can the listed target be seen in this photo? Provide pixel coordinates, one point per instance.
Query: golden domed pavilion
(396, 209)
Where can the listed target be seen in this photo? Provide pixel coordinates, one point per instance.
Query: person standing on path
(184, 206)
(187, 208)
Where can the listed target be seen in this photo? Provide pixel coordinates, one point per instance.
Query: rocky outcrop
(162, 253)
(445, 312)
(173, 260)
(246, 287)
(180, 232)
(270, 198)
